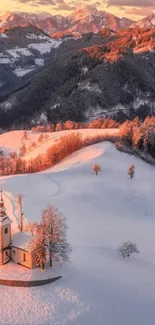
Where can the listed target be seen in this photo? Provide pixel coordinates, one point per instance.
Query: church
(14, 247)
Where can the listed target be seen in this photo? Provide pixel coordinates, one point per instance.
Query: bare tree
(31, 227)
(55, 234)
(97, 168)
(51, 236)
(131, 171)
(127, 249)
(38, 244)
(25, 135)
(20, 212)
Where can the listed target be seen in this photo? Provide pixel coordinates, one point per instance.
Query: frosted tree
(25, 135)
(31, 227)
(55, 228)
(20, 212)
(41, 138)
(97, 169)
(51, 237)
(22, 150)
(131, 171)
(127, 249)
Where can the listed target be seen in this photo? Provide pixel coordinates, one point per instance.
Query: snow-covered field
(98, 287)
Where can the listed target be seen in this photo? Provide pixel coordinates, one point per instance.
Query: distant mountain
(87, 19)
(147, 22)
(103, 74)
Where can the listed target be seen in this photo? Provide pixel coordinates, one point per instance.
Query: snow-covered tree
(55, 228)
(97, 168)
(20, 212)
(51, 236)
(41, 138)
(131, 171)
(127, 249)
(25, 135)
(22, 150)
(38, 244)
(31, 227)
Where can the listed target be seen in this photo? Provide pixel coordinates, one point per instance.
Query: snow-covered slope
(146, 22)
(12, 141)
(101, 211)
(23, 50)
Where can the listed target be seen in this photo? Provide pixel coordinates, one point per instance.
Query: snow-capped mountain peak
(83, 20)
(147, 22)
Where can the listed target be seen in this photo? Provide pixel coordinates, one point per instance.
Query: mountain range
(75, 75)
(84, 20)
(105, 74)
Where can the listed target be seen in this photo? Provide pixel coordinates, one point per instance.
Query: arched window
(6, 230)
(24, 257)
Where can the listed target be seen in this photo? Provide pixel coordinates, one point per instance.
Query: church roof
(22, 240)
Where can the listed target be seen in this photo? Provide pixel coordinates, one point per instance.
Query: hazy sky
(135, 9)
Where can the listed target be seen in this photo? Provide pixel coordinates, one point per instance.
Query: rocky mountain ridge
(84, 20)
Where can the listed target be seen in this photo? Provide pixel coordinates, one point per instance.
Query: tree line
(139, 135)
(16, 164)
(72, 125)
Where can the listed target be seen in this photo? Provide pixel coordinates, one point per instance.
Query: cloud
(62, 5)
(133, 3)
(139, 11)
(57, 4)
(38, 2)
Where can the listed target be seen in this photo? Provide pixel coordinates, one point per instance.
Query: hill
(12, 141)
(102, 212)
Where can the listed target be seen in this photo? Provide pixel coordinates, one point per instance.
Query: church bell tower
(5, 233)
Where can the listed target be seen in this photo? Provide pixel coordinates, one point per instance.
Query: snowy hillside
(23, 50)
(98, 287)
(12, 141)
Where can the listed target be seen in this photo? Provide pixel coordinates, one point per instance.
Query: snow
(17, 272)
(3, 35)
(39, 62)
(45, 47)
(5, 60)
(90, 87)
(97, 287)
(12, 141)
(20, 72)
(21, 240)
(18, 52)
(37, 37)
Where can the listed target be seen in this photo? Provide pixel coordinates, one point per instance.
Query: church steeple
(5, 232)
(2, 207)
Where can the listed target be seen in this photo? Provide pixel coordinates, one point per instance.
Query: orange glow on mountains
(66, 7)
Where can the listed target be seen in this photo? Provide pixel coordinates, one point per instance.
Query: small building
(14, 247)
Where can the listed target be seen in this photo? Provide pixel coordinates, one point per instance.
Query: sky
(134, 9)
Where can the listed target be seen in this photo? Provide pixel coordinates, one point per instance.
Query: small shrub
(97, 168)
(127, 249)
(131, 171)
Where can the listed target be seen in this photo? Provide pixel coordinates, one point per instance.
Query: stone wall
(34, 283)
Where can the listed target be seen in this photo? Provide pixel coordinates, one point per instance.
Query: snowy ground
(97, 288)
(12, 141)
